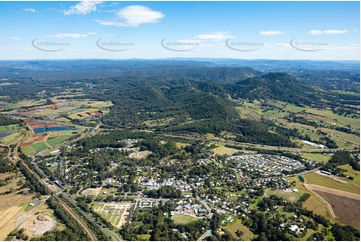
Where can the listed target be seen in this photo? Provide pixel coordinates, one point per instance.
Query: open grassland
(277, 111)
(104, 192)
(13, 185)
(183, 219)
(143, 237)
(316, 157)
(158, 122)
(327, 181)
(222, 150)
(181, 145)
(9, 128)
(92, 192)
(328, 115)
(236, 225)
(352, 173)
(12, 205)
(313, 203)
(20, 104)
(68, 132)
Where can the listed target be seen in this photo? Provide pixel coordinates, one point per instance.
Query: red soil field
(28, 121)
(36, 138)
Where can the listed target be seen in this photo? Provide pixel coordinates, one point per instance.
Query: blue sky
(122, 30)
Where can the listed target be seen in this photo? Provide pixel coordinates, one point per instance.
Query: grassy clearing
(181, 145)
(313, 178)
(289, 196)
(68, 132)
(222, 150)
(8, 128)
(104, 192)
(97, 206)
(143, 237)
(316, 157)
(183, 219)
(25, 103)
(313, 203)
(12, 205)
(236, 225)
(335, 118)
(352, 173)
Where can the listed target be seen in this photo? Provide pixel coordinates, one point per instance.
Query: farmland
(46, 136)
(12, 134)
(57, 140)
(206, 153)
(60, 110)
(279, 111)
(347, 210)
(33, 148)
(322, 180)
(13, 204)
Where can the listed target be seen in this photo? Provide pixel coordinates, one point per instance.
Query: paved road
(304, 172)
(205, 235)
(65, 206)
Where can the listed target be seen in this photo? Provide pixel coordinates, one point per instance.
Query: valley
(178, 151)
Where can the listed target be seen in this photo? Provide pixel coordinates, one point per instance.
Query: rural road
(315, 187)
(205, 235)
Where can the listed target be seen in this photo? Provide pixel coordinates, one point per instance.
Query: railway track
(64, 205)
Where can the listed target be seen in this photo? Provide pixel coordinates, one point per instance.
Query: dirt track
(350, 195)
(329, 207)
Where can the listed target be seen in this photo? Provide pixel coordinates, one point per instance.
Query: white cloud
(71, 35)
(83, 8)
(13, 38)
(214, 36)
(332, 31)
(271, 32)
(133, 16)
(32, 10)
